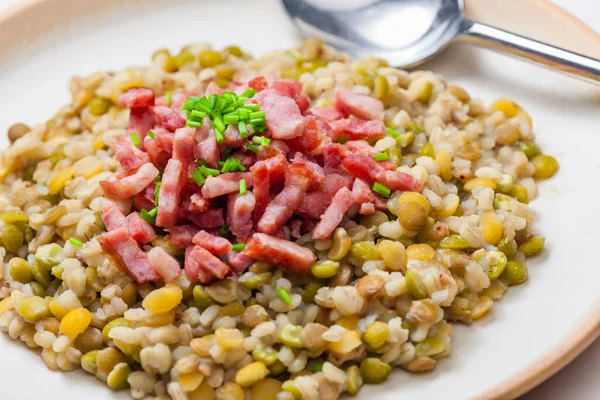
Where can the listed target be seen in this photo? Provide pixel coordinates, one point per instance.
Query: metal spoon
(409, 32)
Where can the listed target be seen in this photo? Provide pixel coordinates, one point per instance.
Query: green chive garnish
(257, 114)
(281, 292)
(198, 114)
(392, 132)
(238, 247)
(209, 171)
(149, 216)
(248, 93)
(193, 124)
(251, 107)
(156, 192)
(198, 177)
(381, 156)
(134, 138)
(243, 130)
(169, 97)
(252, 147)
(382, 190)
(318, 367)
(75, 242)
(243, 188)
(150, 134)
(224, 230)
(265, 142)
(231, 119)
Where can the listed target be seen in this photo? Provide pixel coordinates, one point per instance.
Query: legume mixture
(332, 218)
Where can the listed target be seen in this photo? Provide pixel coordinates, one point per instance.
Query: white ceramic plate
(535, 329)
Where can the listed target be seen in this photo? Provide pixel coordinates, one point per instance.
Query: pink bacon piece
(283, 116)
(183, 145)
(181, 236)
(139, 228)
(216, 186)
(334, 214)
(360, 105)
(260, 176)
(357, 128)
(136, 98)
(283, 253)
(207, 149)
(215, 244)
(167, 266)
(124, 185)
(129, 156)
(201, 265)
(170, 194)
(211, 218)
(239, 214)
(124, 251)
(315, 202)
(168, 119)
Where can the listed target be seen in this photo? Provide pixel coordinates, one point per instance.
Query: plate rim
(580, 336)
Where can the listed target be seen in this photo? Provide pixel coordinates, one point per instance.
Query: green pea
(113, 324)
(210, 58)
(17, 131)
(426, 93)
(365, 251)
(267, 355)
(430, 346)
(234, 51)
(181, 59)
(508, 246)
(20, 270)
(49, 255)
(88, 362)
(255, 281)
(533, 245)
(290, 336)
(529, 148)
(515, 273)
(454, 242)
(324, 268)
(496, 264)
(414, 127)
(99, 106)
(277, 368)
(519, 193)
(40, 273)
(353, 380)
(415, 284)
(33, 308)
(37, 289)
(373, 370)
(12, 238)
(117, 379)
(405, 139)
(201, 296)
(545, 166)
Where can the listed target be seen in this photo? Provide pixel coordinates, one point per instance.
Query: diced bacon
(158, 157)
(181, 235)
(315, 202)
(167, 266)
(297, 179)
(283, 116)
(366, 208)
(334, 214)
(112, 216)
(295, 228)
(129, 156)
(318, 173)
(124, 185)
(207, 149)
(145, 198)
(360, 146)
(168, 119)
(238, 261)
(198, 203)
(288, 87)
(136, 98)
(274, 149)
(362, 192)
(247, 160)
(139, 228)
(216, 186)
(276, 166)
(211, 218)
(164, 139)
(215, 244)
(357, 128)
(360, 105)
(395, 180)
(259, 83)
(200, 264)
(170, 194)
(232, 137)
(303, 103)
(327, 113)
(211, 89)
(124, 251)
(183, 145)
(239, 214)
(282, 253)
(141, 120)
(380, 203)
(362, 166)
(260, 176)
(311, 139)
(332, 157)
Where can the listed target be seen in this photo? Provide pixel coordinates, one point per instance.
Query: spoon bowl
(409, 32)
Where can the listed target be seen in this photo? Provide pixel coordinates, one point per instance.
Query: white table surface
(578, 381)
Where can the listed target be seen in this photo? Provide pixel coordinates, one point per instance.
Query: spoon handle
(539, 53)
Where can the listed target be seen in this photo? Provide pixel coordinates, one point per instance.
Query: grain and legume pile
(214, 226)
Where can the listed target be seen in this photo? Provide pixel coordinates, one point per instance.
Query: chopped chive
(231, 119)
(169, 98)
(134, 138)
(193, 124)
(392, 132)
(238, 247)
(226, 152)
(208, 171)
(260, 128)
(221, 164)
(75, 242)
(265, 142)
(382, 190)
(257, 139)
(150, 134)
(381, 156)
(226, 167)
(251, 107)
(248, 93)
(149, 216)
(212, 102)
(202, 107)
(257, 114)
(341, 139)
(243, 188)
(252, 147)
(243, 130)
(156, 193)
(281, 292)
(257, 121)
(199, 114)
(219, 136)
(224, 230)
(198, 177)
(318, 368)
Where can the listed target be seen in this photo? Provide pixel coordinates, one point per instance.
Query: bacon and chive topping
(75, 242)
